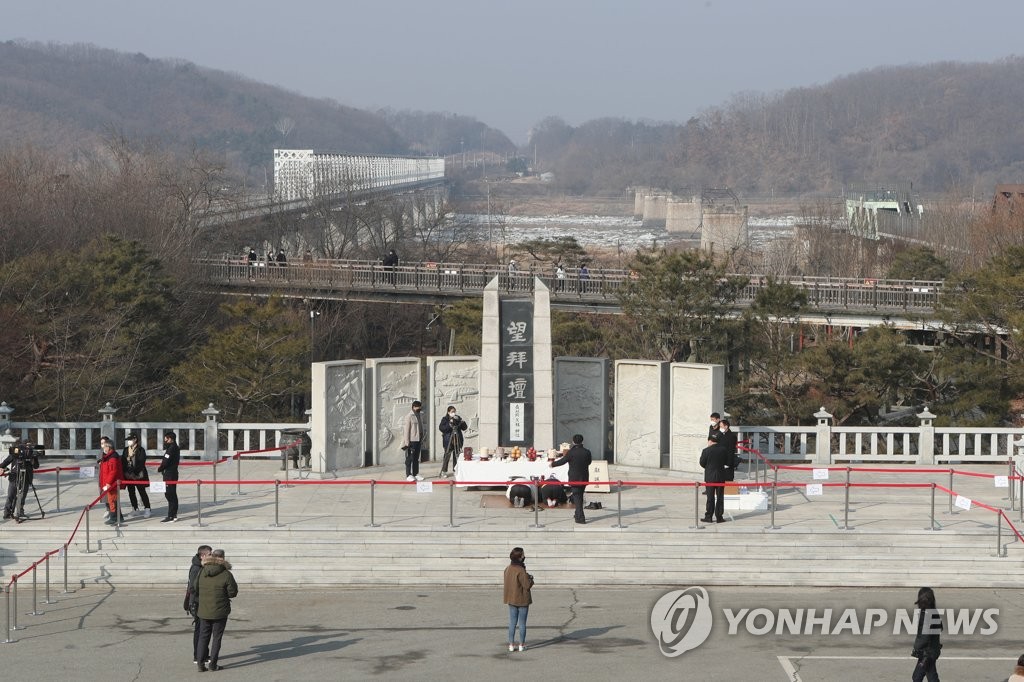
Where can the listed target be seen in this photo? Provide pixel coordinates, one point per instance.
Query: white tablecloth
(498, 470)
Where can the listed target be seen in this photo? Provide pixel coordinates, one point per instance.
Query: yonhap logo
(681, 620)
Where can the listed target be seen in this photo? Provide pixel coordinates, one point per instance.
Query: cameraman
(451, 427)
(19, 464)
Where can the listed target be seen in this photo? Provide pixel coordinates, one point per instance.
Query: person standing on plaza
(518, 596)
(191, 604)
(169, 468)
(412, 435)
(216, 587)
(560, 276)
(579, 459)
(713, 429)
(714, 460)
(111, 474)
(451, 428)
(133, 461)
(728, 438)
(927, 646)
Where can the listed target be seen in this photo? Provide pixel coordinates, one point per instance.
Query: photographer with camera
(451, 426)
(21, 461)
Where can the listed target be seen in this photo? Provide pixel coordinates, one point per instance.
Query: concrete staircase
(324, 538)
(603, 556)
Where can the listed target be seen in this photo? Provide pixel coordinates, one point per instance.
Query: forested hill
(70, 97)
(941, 126)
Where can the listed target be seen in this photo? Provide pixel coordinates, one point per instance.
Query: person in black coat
(714, 459)
(728, 438)
(927, 646)
(713, 428)
(579, 459)
(133, 465)
(451, 428)
(169, 468)
(191, 604)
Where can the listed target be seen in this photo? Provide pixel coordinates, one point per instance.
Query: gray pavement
(102, 632)
(337, 504)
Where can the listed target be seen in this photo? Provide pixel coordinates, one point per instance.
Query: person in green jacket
(216, 587)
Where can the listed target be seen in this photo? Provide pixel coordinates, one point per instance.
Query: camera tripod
(453, 450)
(20, 483)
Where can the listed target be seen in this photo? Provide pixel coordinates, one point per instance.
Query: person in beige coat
(1018, 672)
(518, 584)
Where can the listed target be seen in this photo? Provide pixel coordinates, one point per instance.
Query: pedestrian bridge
(851, 302)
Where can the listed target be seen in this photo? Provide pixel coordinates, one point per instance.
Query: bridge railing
(599, 284)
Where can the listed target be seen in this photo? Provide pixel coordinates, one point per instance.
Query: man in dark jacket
(216, 587)
(729, 439)
(192, 596)
(579, 459)
(714, 460)
(169, 468)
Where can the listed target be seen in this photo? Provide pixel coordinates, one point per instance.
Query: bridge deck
(832, 300)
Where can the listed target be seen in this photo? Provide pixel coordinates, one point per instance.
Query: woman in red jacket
(110, 474)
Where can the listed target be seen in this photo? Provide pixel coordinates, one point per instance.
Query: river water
(609, 231)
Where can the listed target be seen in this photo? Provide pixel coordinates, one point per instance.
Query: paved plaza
(582, 633)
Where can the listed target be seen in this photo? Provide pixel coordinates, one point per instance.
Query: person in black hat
(133, 463)
(714, 459)
(927, 646)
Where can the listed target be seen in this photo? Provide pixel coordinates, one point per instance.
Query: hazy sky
(512, 63)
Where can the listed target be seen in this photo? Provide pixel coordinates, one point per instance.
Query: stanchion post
(214, 492)
(238, 474)
(66, 590)
(88, 548)
(117, 507)
(47, 560)
(846, 502)
(451, 504)
(775, 500)
(7, 607)
(277, 503)
(199, 503)
(35, 588)
(536, 506)
(14, 603)
(1009, 476)
(999, 535)
(618, 491)
(696, 507)
(1020, 496)
(931, 523)
(373, 487)
(58, 488)
(950, 510)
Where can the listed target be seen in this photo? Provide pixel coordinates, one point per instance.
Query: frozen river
(610, 231)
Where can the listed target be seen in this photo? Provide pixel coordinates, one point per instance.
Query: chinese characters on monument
(516, 376)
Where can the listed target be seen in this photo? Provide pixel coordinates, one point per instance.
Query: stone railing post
(107, 427)
(823, 438)
(211, 435)
(6, 441)
(926, 438)
(5, 416)
(1018, 458)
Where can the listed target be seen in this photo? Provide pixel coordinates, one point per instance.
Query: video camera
(456, 419)
(24, 453)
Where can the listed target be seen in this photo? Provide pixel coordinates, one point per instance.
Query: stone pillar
(337, 416)
(211, 434)
(641, 412)
(454, 380)
(654, 210)
(926, 439)
(490, 350)
(543, 375)
(581, 403)
(823, 438)
(6, 441)
(394, 384)
(695, 391)
(107, 427)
